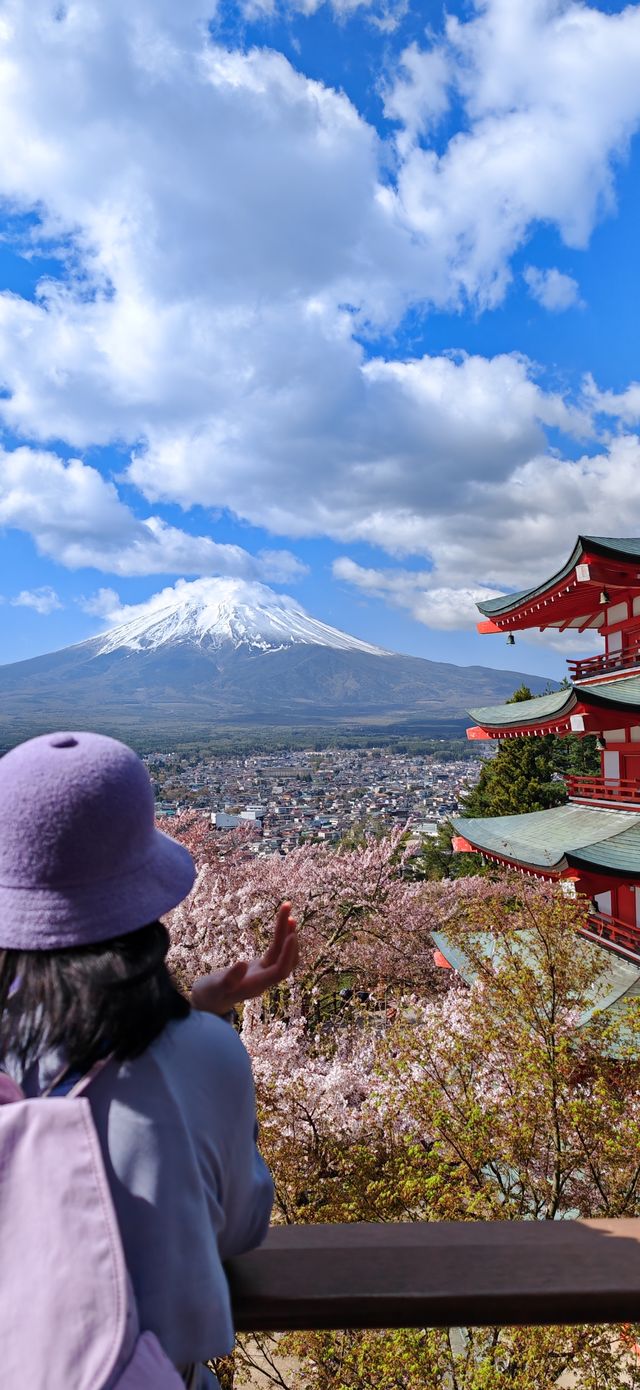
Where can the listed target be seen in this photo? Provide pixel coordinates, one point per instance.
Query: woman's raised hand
(221, 991)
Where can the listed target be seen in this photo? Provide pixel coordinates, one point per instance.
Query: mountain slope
(222, 651)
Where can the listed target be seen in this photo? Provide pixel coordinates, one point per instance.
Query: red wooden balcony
(599, 665)
(623, 791)
(621, 937)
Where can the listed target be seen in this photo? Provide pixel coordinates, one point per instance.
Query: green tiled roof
(623, 548)
(620, 980)
(524, 711)
(625, 691)
(619, 853)
(541, 839)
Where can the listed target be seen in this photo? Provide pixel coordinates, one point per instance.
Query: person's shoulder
(203, 1041)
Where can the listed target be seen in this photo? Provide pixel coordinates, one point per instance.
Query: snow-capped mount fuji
(210, 613)
(215, 651)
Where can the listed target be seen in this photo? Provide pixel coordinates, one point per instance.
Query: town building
(303, 796)
(591, 843)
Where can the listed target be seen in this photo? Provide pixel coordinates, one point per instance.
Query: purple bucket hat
(80, 857)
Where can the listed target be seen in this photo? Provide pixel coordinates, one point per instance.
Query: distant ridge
(229, 652)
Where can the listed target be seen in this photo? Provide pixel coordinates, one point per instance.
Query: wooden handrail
(439, 1274)
(598, 665)
(624, 936)
(625, 789)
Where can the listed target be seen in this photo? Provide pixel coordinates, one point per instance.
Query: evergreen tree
(523, 775)
(577, 755)
(437, 859)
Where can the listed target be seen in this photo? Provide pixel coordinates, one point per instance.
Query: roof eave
(490, 607)
(545, 724)
(553, 870)
(500, 611)
(580, 860)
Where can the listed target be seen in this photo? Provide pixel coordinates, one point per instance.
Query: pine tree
(437, 859)
(574, 753)
(523, 776)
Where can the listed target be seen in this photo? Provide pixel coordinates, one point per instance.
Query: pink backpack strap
(68, 1315)
(9, 1089)
(83, 1083)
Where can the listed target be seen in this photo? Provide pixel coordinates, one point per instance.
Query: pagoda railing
(439, 1274)
(622, 937)
(611, 661)
(608, 789)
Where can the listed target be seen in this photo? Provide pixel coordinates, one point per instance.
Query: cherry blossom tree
(515, 1098)
(403, 1098)
(359, 920)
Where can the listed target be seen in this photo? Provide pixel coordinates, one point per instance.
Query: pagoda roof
(618, 855)
(614, 554)
(624, 693)
(519, 712)
(554, 839)
(620, 980)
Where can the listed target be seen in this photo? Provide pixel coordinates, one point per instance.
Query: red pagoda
(594, 839)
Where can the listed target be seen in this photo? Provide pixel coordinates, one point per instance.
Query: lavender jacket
(177, 1128)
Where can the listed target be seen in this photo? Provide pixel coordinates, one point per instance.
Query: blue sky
(337, 297)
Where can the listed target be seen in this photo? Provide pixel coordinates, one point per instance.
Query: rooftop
(622, 693)
(558, 838)
(594, 561)
(620, 981)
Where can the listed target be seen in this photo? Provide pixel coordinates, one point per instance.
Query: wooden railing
(599, 665)
(439, 1274)
(621, 936)
(609, 789)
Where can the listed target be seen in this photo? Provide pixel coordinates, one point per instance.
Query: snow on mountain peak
(214, 612)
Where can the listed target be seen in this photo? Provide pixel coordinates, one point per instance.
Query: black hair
(112, 996)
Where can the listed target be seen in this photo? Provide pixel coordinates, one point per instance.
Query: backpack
(68, 1316)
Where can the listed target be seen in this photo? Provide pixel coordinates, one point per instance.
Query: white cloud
(419, 95)
(384, 14)
(415, 591)
(280, 566)
(222, 202)
(219, 211)
(107, 604)
(551, 97)
(511, 533)
(448, 609)
(356, 449)
(103, 604)
(76, 517)
(623, 405)
(44, 600)
(552, 289)
(519, 531)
